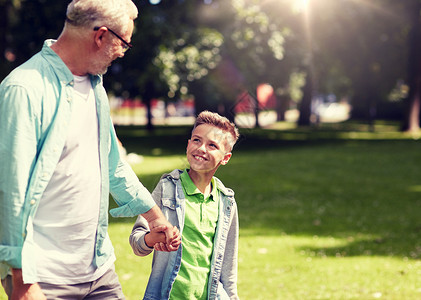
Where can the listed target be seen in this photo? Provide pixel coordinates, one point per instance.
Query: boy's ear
(226, 158)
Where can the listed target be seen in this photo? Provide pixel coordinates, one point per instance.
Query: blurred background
(327, 97)
(256, 62)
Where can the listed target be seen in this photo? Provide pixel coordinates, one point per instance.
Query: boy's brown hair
(214, 119)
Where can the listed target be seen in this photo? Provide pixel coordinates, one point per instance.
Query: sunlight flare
(300, 5)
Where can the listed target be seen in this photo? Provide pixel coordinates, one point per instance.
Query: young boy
(204, 210)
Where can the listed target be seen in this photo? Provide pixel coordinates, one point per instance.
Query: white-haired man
(59, 161)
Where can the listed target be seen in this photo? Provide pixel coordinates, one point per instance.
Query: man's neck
(71, 57)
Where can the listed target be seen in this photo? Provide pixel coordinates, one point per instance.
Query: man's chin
(103, 72)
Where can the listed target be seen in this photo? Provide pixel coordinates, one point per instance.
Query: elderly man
(59, 161)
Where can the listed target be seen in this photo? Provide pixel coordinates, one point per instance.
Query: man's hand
(155, 218)
(156, 239)
(23, 291)
(176, 242)
(156, 235)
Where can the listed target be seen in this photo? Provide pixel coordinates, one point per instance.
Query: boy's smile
(207, 148)
(201, 158)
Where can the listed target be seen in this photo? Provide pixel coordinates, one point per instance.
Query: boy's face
(207, 148)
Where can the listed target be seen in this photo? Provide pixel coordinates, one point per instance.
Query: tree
(214, 49)
(178, 51)
(359, 51)
(218, 51)
(24, 25)
(253, 51)
(412, 117)
(189, 59)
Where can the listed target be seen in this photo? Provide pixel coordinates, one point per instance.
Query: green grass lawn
(326, 214)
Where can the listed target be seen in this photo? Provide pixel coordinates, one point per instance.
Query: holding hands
(161, 231)
(165, 238)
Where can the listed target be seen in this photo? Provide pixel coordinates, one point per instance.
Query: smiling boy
(205, 265)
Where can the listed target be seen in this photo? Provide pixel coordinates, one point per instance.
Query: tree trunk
(412, 117)
(305, 106)
(229, 112)
(147, 96)
(256, 109)
(281, 107)
(149, 125)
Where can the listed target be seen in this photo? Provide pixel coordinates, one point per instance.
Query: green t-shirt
(201, 216)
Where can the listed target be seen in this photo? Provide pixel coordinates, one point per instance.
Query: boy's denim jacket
(169, 196)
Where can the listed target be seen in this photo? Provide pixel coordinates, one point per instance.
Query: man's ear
(99, 35)
(226, 158)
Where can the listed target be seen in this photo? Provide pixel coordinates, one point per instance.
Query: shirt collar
(63, 72)
(191, 189)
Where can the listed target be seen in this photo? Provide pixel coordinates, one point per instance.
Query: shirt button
(32, 202)
(69, 99)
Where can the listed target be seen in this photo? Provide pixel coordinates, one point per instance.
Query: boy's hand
(156, 235)
(155, 218)
(173, 246)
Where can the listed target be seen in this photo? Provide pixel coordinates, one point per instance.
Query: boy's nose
(202, 148)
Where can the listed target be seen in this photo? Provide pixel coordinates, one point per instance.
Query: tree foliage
(212, 50)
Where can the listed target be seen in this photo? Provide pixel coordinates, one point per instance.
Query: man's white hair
(114, 14)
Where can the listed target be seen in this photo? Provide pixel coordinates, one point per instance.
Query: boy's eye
(213, 146)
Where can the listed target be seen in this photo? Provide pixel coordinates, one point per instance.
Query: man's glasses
(126, 46)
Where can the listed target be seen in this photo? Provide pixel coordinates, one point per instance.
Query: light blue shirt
(35, 110)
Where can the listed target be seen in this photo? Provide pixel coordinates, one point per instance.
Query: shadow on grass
(362, 190)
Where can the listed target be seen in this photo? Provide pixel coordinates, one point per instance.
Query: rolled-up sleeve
(128, 192)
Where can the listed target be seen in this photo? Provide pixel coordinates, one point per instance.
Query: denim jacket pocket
(168, 204)
(169, 210)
